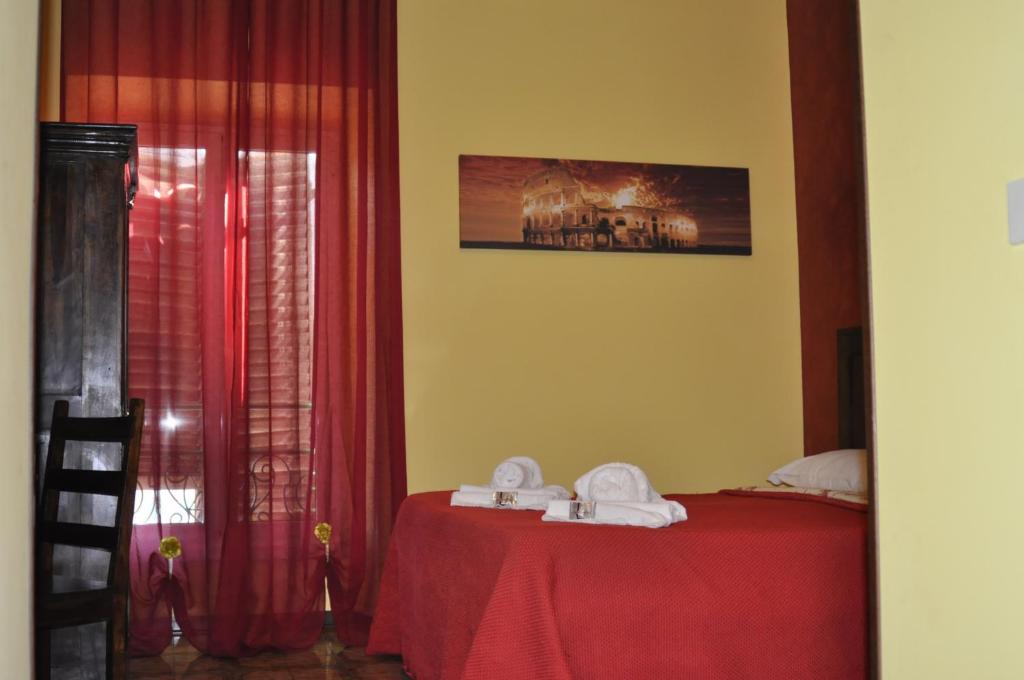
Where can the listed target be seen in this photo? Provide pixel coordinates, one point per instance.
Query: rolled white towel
(620, 482)
(517, 484)
(616, 493)
(517, 472)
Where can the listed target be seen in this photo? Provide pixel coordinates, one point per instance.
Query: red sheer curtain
(264, 305)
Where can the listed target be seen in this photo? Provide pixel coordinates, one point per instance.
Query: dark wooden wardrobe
(87, 184)
(87, 181)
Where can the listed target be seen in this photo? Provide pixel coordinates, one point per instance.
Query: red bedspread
(748, 587)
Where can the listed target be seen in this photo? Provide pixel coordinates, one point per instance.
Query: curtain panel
(264, 306)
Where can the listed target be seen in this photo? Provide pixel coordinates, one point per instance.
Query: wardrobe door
(87, 183)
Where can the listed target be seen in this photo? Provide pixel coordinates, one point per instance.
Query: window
(165, 360)
(173, 206)
(279, 232)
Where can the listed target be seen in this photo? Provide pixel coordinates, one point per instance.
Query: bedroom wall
(687, 365)
(944, 111)
(825, 87)
(18, 74)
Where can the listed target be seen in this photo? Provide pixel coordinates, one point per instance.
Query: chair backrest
(120, 484)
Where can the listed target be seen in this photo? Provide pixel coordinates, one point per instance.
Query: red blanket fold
(837, 499)
(746, 588)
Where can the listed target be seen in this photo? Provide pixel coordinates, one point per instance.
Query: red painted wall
(825, 90)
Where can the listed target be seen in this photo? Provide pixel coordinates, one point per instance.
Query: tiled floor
(328, 660)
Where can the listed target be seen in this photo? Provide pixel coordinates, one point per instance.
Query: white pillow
(844, 470)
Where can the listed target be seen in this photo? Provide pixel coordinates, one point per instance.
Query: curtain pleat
(264, 306)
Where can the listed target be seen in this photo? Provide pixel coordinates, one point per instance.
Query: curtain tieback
(170, 547)
(322, 531)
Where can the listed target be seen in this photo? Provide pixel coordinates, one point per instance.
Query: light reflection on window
(176, 506)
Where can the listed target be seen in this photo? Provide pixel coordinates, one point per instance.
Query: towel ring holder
(582, 509)
(505, 499)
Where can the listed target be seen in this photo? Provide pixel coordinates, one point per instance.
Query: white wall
(19, 28)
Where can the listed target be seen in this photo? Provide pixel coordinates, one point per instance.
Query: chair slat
(61, 610)
(104, 482)
(80, 535)
(93, 429)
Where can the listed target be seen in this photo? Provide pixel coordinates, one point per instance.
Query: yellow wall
(945, 132)
(18, 47)
(686, 365)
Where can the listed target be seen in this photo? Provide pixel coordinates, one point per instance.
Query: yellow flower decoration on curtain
(322, 531)
(170, 547)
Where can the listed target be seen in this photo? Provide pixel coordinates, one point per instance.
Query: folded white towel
(616, 493)
(552, 490)
(510, 499)
(516, 484)
(653, 515)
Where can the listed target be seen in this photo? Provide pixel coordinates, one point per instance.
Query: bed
(753, 585)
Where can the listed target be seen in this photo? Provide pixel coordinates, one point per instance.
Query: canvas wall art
(603, 206)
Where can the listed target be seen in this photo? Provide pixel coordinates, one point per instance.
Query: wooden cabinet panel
(86, 185)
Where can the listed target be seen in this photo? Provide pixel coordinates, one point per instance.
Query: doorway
(828, 147)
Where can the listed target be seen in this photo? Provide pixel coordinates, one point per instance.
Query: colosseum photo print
(555, 204)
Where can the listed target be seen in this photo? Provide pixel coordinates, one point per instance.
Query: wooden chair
(108, 604)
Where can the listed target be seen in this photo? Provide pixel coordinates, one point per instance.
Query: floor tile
(327, 660)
